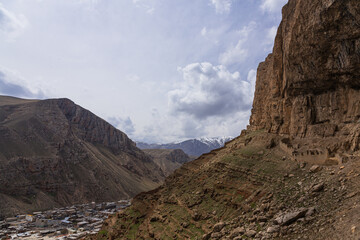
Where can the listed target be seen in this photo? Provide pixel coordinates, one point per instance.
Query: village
(72, 222)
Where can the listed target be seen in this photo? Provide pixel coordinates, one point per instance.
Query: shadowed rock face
(54, 153)
(313, 73)
(90, 129)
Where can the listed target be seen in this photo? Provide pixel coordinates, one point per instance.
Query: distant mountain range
(192, 147)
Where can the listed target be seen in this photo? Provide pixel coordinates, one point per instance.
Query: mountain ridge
(192, 147)
(55, 153)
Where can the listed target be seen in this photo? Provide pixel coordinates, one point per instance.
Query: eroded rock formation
(310, 85)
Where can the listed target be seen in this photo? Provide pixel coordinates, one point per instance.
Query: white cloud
(10, 23)
(271, 33)
(203, 31)
(210, 102)
(221, 6)
(209, 90)
(272, 6)
(123, 124)
(237, 53)
(268, 41)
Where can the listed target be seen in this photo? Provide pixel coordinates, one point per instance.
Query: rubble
(72, 222)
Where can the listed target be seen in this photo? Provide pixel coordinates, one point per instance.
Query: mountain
(192, 147)
(55, 153)
(295, 172)
(168, 159)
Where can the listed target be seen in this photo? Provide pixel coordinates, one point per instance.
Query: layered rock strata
(309, 87)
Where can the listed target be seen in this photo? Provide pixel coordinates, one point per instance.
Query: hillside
(192, 147)
(55, 153)
(168, 159)
(295, 172)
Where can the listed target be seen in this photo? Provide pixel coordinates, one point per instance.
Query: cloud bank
(7, 87)
(209, 90)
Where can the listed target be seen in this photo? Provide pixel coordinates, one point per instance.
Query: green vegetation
(103, 234)
(133, 231)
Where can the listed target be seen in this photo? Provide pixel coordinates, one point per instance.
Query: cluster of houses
(72, 222)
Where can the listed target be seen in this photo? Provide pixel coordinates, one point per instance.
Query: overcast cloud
(158, 70)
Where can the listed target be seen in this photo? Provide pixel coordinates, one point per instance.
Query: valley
(293, 173)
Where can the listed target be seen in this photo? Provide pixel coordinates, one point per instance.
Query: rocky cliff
(310, 85)
(295, 172)
(54, 153)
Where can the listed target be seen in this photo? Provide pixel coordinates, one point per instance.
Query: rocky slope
(168, 159)
(295, 172)
(55, 153)
(192, 147)
(251, 189)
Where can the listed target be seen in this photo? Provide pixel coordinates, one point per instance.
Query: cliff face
(310, 85)
(55, 153)
(92, 129)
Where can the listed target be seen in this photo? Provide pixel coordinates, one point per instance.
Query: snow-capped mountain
(192, 147)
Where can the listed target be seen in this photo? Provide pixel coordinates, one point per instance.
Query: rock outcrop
(310, 85)
(55, 153)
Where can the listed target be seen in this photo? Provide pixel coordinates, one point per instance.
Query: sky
(158, 70)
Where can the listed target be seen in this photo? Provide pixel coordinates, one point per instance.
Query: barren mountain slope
(168, 159)
(241, 191)
(295, 173)
(55, 153)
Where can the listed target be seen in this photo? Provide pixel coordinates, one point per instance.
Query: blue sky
(159, 70)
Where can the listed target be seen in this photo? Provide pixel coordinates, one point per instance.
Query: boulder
(218, 227)
(237, 232)
(290, 217)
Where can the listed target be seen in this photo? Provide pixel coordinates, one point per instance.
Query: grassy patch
(133, 231)
(102, 235)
